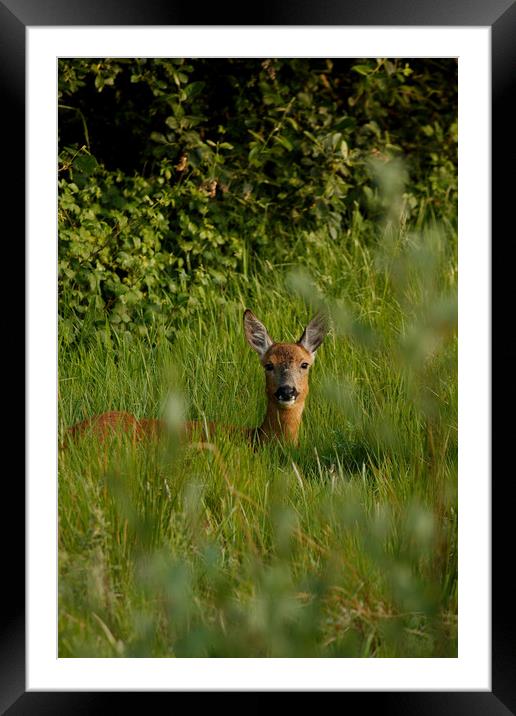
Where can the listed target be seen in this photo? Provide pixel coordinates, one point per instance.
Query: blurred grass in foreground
(345, 546)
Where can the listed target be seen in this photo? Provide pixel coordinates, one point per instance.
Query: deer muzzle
(286, 395)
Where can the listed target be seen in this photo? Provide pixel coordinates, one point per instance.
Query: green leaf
(362, 69)
(284, 143)
(85, 163)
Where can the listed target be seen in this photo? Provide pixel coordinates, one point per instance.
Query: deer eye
(304, 366)
(269, 366)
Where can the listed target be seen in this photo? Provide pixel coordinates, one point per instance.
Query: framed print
(386, 633)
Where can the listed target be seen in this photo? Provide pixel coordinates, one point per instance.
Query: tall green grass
(345, 545)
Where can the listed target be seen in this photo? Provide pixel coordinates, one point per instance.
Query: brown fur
(108, 425)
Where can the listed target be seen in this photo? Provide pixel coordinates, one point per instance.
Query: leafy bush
(174, 173)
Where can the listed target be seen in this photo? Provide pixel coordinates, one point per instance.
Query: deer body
(286, 367)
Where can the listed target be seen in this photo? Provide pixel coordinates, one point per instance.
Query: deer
(286, 367)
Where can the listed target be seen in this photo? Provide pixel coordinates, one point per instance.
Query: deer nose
(286, 392)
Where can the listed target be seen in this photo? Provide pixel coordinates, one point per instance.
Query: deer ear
(314, 333)
(256, 333)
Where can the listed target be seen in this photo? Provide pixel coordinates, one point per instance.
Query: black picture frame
(500, 16)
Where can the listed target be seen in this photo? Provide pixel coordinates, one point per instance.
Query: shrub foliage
(175, 172)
